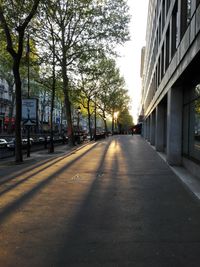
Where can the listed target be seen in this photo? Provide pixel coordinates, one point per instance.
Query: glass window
(163, 14)
(191, 123)
(168, 5)
(174, 36)
(188, 11)
(197, 124)
(167, 50)
(197, 91)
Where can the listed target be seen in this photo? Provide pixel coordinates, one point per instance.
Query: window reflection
(191, 122)
(197, 124)
(188, 11)
(197, 90)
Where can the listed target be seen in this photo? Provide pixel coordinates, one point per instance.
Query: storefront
(8, 120)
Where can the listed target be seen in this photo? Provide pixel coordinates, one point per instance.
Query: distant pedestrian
(132, 131)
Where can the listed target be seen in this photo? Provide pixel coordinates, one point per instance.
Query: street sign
(57, 120)
(29, 123)
(29, 111)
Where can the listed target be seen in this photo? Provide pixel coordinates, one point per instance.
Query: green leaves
(75, 40)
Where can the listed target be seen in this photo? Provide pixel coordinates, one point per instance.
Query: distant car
(41, 139)
(49, 138)
(25, 141)
(137, 129)
(3, 143)
(11, 144)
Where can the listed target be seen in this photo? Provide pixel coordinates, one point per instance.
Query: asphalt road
(111, 203)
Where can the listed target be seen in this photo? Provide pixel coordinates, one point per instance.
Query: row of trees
(72, 49)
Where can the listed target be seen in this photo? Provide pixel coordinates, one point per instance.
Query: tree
(52, 63)
(7, 74)
(15, 18)
(112, 96)
(84, 96)
(81, 27)
(119, 100)
(100, 88)
(89, 71)
(124, 121)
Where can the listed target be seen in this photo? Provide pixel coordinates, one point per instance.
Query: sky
(129, 62)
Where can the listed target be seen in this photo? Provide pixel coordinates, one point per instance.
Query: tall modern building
(171, 81)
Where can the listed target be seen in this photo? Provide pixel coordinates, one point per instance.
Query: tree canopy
(74, 42)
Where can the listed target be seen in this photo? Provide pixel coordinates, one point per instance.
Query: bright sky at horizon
(129, 62)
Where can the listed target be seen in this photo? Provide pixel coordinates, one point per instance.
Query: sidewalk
(191, 183)
(112, 203)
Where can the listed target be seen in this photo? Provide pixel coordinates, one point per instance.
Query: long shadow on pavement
(31, 193)
(26, 169)
(141, 217)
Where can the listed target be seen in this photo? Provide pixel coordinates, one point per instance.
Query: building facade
(5, 105)
(171, 81)
(44, 108)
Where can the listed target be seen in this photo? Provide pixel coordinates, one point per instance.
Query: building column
(145, 129)
(152, 128)
(160, 126)
(148, 129)
(174, 126)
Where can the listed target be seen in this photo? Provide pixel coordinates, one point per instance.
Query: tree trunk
(95, 117)
(11, 109)
(105, 124)
(106, 128)
(16, 64)
(89, 125)
(89, 119)
(51, 150)
(113, 122)
(70, 132)
(18, 145)
(43, 105)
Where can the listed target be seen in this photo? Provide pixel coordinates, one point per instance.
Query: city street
(114, 202)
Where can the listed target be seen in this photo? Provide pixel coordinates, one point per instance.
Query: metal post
(28, 65)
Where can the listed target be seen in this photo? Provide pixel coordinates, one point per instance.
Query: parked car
(3, 143)
(41, 139)
(25, 141)
(11, 144)
(137, 129)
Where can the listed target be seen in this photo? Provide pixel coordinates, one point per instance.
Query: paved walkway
(111, 203)
(191, 183)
